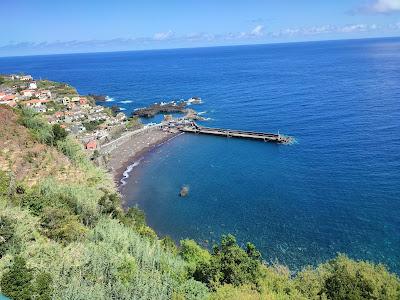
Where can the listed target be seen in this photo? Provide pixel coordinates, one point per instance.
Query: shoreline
(126, 156)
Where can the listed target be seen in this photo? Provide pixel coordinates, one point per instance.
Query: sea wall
(111, 146)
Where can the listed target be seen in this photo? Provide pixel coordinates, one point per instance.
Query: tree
(110, 204)
(16, 283)
(230, 264)
(59, 133)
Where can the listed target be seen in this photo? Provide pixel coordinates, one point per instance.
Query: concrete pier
(262, 136)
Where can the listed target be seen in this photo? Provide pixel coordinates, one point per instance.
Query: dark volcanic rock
(100, 98)
(155, 109)
(184, 191)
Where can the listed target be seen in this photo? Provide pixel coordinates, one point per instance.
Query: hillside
(26, 158)
(64, 235)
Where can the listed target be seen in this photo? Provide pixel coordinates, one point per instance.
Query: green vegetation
(71, 239)
(40, 129)
(53, 106)
(92, 125)
(134, 123)
(58, 88)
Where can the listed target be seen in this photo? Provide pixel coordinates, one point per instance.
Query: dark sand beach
(132, 149)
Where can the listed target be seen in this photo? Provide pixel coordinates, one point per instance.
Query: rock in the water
(184, 191)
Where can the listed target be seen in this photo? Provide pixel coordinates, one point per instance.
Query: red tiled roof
(8, 97)
(34, 101)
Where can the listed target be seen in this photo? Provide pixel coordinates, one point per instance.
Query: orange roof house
(35, 102)
(58, 114)
(91, 145)
(8, 98)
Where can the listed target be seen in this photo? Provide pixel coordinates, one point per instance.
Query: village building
(32, 85)
(40, 108)
(77, 129)
(35, 102)
(91, 145)
(66, 100)
(9, 100)
(24, 77)
(27, 93)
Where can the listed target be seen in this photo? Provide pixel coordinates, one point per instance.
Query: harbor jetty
(193, 127)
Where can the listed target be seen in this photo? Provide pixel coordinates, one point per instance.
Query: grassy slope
(89, 254)
(28, 160)
(64, 217)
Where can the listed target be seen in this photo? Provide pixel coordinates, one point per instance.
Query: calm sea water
(336, 190)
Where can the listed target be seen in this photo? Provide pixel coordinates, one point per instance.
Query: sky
(74, 26)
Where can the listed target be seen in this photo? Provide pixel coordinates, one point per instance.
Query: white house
(66, 100)
(25, 77)
(32, 85)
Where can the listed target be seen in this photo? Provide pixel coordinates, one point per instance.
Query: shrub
(60, 225)
(169, 245)
(72, 149)
(348, 279)
(43, 286)
(16, 282)
(110, 204)
(34, 201)
(59, 133)
(231, 292)
(195, 255)
(92, 125)
(230, 264)
(7, 235)
(134, 123)
(4, 183)
(134, 218)
(39, 128)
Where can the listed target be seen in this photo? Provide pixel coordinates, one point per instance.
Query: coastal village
(61, 104)
(110, 137)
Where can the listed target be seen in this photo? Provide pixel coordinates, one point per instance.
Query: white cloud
(326, 29)
(354, 28)
(161, 39)
(162, 36)
(383, 6)
(258, 30)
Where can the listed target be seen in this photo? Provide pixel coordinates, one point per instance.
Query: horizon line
(205, 47)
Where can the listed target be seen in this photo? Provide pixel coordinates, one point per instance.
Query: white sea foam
(126, 101)
(202, 113)
(109, 99)
(193, 101)
(128, 171)
(122, 109)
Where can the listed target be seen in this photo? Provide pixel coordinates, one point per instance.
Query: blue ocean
(336, 190)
